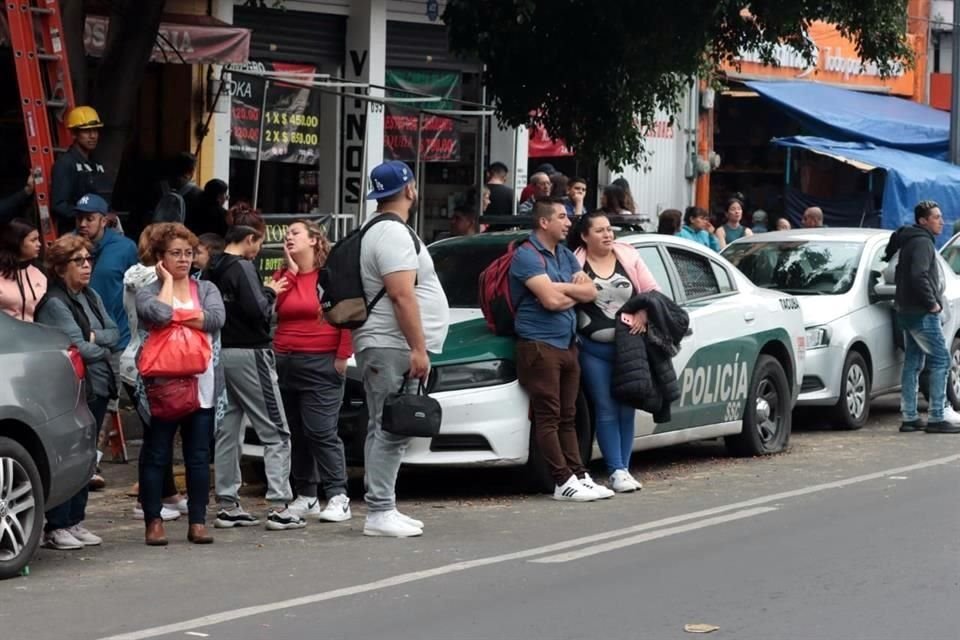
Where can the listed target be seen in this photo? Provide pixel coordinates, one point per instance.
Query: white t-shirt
(387, 248)
(205, 381)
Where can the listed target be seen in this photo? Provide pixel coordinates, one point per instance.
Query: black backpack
(340, 285)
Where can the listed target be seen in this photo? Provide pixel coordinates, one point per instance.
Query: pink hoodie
(19, 296)
(632, 263)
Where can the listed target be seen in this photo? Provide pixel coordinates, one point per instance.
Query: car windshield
(798, 267)
(459, 265)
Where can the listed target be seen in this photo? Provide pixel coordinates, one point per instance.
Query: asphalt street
(848, 535)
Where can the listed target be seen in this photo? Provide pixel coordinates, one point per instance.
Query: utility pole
(955, 85)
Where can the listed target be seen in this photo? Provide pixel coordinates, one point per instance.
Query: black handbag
(414, 415)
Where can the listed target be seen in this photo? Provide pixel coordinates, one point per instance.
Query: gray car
(47, 434)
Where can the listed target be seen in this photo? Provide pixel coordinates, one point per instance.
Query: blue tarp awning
(852, 116)
(910, 178)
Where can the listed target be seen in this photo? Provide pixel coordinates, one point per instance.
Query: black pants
(312, 393)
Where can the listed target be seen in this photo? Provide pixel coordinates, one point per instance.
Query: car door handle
(749, 317)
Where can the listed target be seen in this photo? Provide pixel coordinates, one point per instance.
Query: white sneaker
(86, 538)
(389, 524)
(622, 482)
(337, 509)
(573, 491)
(166, 513)
(602, 492)
(305, 506)
(284, 519)
(61, 540)
(180, 506)
(636, 481)
(951, 416)
(413, 522)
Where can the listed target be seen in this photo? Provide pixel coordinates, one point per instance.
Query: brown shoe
(197, 534)
(155, 535)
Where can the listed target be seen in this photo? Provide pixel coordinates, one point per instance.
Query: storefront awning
(840, 114)
(183, 39)
(910, 177)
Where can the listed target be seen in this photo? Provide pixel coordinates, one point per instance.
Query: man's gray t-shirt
(387, 248)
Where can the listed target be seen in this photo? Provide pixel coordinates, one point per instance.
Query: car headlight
(818, 337)
(471, 375)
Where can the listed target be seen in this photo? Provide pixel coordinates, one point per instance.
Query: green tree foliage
(589, 70)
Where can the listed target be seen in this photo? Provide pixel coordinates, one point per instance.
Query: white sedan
(853, 348)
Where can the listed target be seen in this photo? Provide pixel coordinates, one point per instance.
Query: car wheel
(21, 508)
(538, 473)
(853, 408)
(767, 419)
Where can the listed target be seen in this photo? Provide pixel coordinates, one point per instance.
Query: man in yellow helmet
(76, 173)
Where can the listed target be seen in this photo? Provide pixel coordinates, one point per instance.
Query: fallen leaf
(700, 628)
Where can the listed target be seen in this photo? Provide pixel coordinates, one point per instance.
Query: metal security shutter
(294, 36)
(423, 46)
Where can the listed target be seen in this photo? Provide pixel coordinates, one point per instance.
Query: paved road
(849, 535)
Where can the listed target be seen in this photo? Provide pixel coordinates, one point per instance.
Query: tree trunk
(130, 40)
(74, 17)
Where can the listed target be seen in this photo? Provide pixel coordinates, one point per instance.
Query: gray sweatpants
(252, 391)
(312, 394)
(382, 371)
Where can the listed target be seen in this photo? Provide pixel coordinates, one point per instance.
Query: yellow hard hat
(83, 118)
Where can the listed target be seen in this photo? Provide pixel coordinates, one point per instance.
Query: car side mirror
(882, 292)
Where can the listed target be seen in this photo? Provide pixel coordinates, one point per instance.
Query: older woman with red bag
(182, 380)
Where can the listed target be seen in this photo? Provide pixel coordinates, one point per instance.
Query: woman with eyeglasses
(76, 309)
(172, 247)
(22, 284)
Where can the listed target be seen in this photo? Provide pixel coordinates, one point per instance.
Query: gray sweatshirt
(96, 355)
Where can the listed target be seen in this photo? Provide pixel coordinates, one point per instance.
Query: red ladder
(46, 92)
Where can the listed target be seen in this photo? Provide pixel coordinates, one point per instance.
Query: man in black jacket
(251, 380)
(918, 301)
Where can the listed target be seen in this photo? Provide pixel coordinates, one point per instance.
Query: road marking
(197, 634)
(654, 535)
(456, 567)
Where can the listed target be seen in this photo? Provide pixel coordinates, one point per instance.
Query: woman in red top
(311, 366)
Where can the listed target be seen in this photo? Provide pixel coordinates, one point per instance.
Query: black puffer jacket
(643, 374)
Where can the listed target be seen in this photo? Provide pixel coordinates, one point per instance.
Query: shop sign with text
(291, 122)
(439, 136)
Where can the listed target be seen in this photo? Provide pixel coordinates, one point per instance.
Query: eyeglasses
(79, 260)
(189, 254)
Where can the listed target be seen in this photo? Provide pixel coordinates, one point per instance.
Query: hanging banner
(541, 146)
(439, 137)
(291, 124)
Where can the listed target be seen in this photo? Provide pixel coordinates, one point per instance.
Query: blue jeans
(157, 455)
(923, 341)
(74, 510)
(614, 421)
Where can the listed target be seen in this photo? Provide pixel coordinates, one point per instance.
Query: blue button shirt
(533, 322)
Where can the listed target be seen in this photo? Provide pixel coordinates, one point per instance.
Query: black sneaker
(236, 517)
(942, 427)
(912, 425)
(283, 520)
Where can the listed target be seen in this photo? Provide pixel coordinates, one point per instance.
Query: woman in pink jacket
(22, 284)
(618, 273)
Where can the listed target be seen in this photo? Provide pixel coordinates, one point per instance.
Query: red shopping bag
(176, 351)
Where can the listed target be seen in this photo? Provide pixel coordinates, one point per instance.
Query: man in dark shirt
(76, 173)
(501, 196)
(251, 380)
(920, 287)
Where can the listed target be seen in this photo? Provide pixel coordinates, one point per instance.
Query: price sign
(291, 124)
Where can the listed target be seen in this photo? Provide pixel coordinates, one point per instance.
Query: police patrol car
(739, 368)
